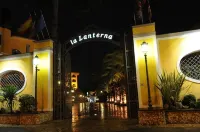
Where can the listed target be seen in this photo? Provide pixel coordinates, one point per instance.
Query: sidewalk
(96, 125)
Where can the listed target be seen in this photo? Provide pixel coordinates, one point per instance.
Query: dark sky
(114, 15)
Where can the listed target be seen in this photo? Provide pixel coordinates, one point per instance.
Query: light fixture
(144, 47)
(36, 60)
(59, 82)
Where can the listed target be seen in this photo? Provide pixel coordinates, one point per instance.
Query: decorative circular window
(13, 77)
(190, 66)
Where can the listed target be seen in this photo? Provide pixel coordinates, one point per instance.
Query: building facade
(171, 52)
(16, 65)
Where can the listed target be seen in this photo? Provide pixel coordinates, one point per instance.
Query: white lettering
(71, 42)
(85, 37)
(98, 35)
(89, 36)
(106, 36)
(74, 41)
(80, 39)
(110, 36)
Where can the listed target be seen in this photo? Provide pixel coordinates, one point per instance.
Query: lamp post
(144, 46)
(36, 62)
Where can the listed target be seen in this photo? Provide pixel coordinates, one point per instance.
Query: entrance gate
(62, 65)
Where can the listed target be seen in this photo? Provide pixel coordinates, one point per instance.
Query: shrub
(2, 111)
(198, 105)
(9, 94)
(27, 103)
(170, 86)
(189, 100)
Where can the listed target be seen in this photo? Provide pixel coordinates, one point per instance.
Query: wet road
(103, 111)
(106, 118)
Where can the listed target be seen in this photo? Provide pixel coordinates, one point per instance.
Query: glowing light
(67, 92)
(80, 95)
(59, 82)
(144, 47)
(72, 91)
(91, 36)
(36, 60)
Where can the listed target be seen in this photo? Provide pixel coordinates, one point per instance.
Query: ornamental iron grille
(190, 65)
(12, 77)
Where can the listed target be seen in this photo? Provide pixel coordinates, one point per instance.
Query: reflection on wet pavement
(104, 111)
(109, 118)
(102, 118)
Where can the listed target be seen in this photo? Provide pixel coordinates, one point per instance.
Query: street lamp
(36, 62)
(144, 46)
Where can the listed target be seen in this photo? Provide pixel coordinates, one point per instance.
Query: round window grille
(190, 65)
(12, 77)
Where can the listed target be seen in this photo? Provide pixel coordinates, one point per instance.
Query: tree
(113, 67)
(114, 72)
(9, 94)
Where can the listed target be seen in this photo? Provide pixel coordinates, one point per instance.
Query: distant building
(74, 80)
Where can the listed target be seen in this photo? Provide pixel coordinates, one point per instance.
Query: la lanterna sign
(81, 38)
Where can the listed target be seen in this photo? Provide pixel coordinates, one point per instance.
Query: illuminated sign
(91, 36)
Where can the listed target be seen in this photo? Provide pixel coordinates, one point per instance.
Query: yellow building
(167, 52)
(74, 80)
(20, 68)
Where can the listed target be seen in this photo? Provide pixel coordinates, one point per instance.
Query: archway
(63, 110)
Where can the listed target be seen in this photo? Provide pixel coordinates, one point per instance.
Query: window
(12, 77)
(27, 48)
(15, 51)
(73, 76)
(190, 65)
(73, 80)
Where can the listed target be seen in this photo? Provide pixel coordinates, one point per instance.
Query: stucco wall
(146, 33)
(172, 47)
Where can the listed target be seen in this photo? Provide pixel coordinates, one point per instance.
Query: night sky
(113, 15)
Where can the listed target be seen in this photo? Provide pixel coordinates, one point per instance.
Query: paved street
(97, 126)
(109, 119)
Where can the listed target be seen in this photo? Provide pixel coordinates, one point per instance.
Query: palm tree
(9, 94)
(114, 72)
(113, 66)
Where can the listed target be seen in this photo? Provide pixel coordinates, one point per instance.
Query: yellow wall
(45, 80)
(172, 48)
(165, 53)
(144, 29)
(24, 62)
(140, 36)
(14, 42)
(6, 34)
(20, 44)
